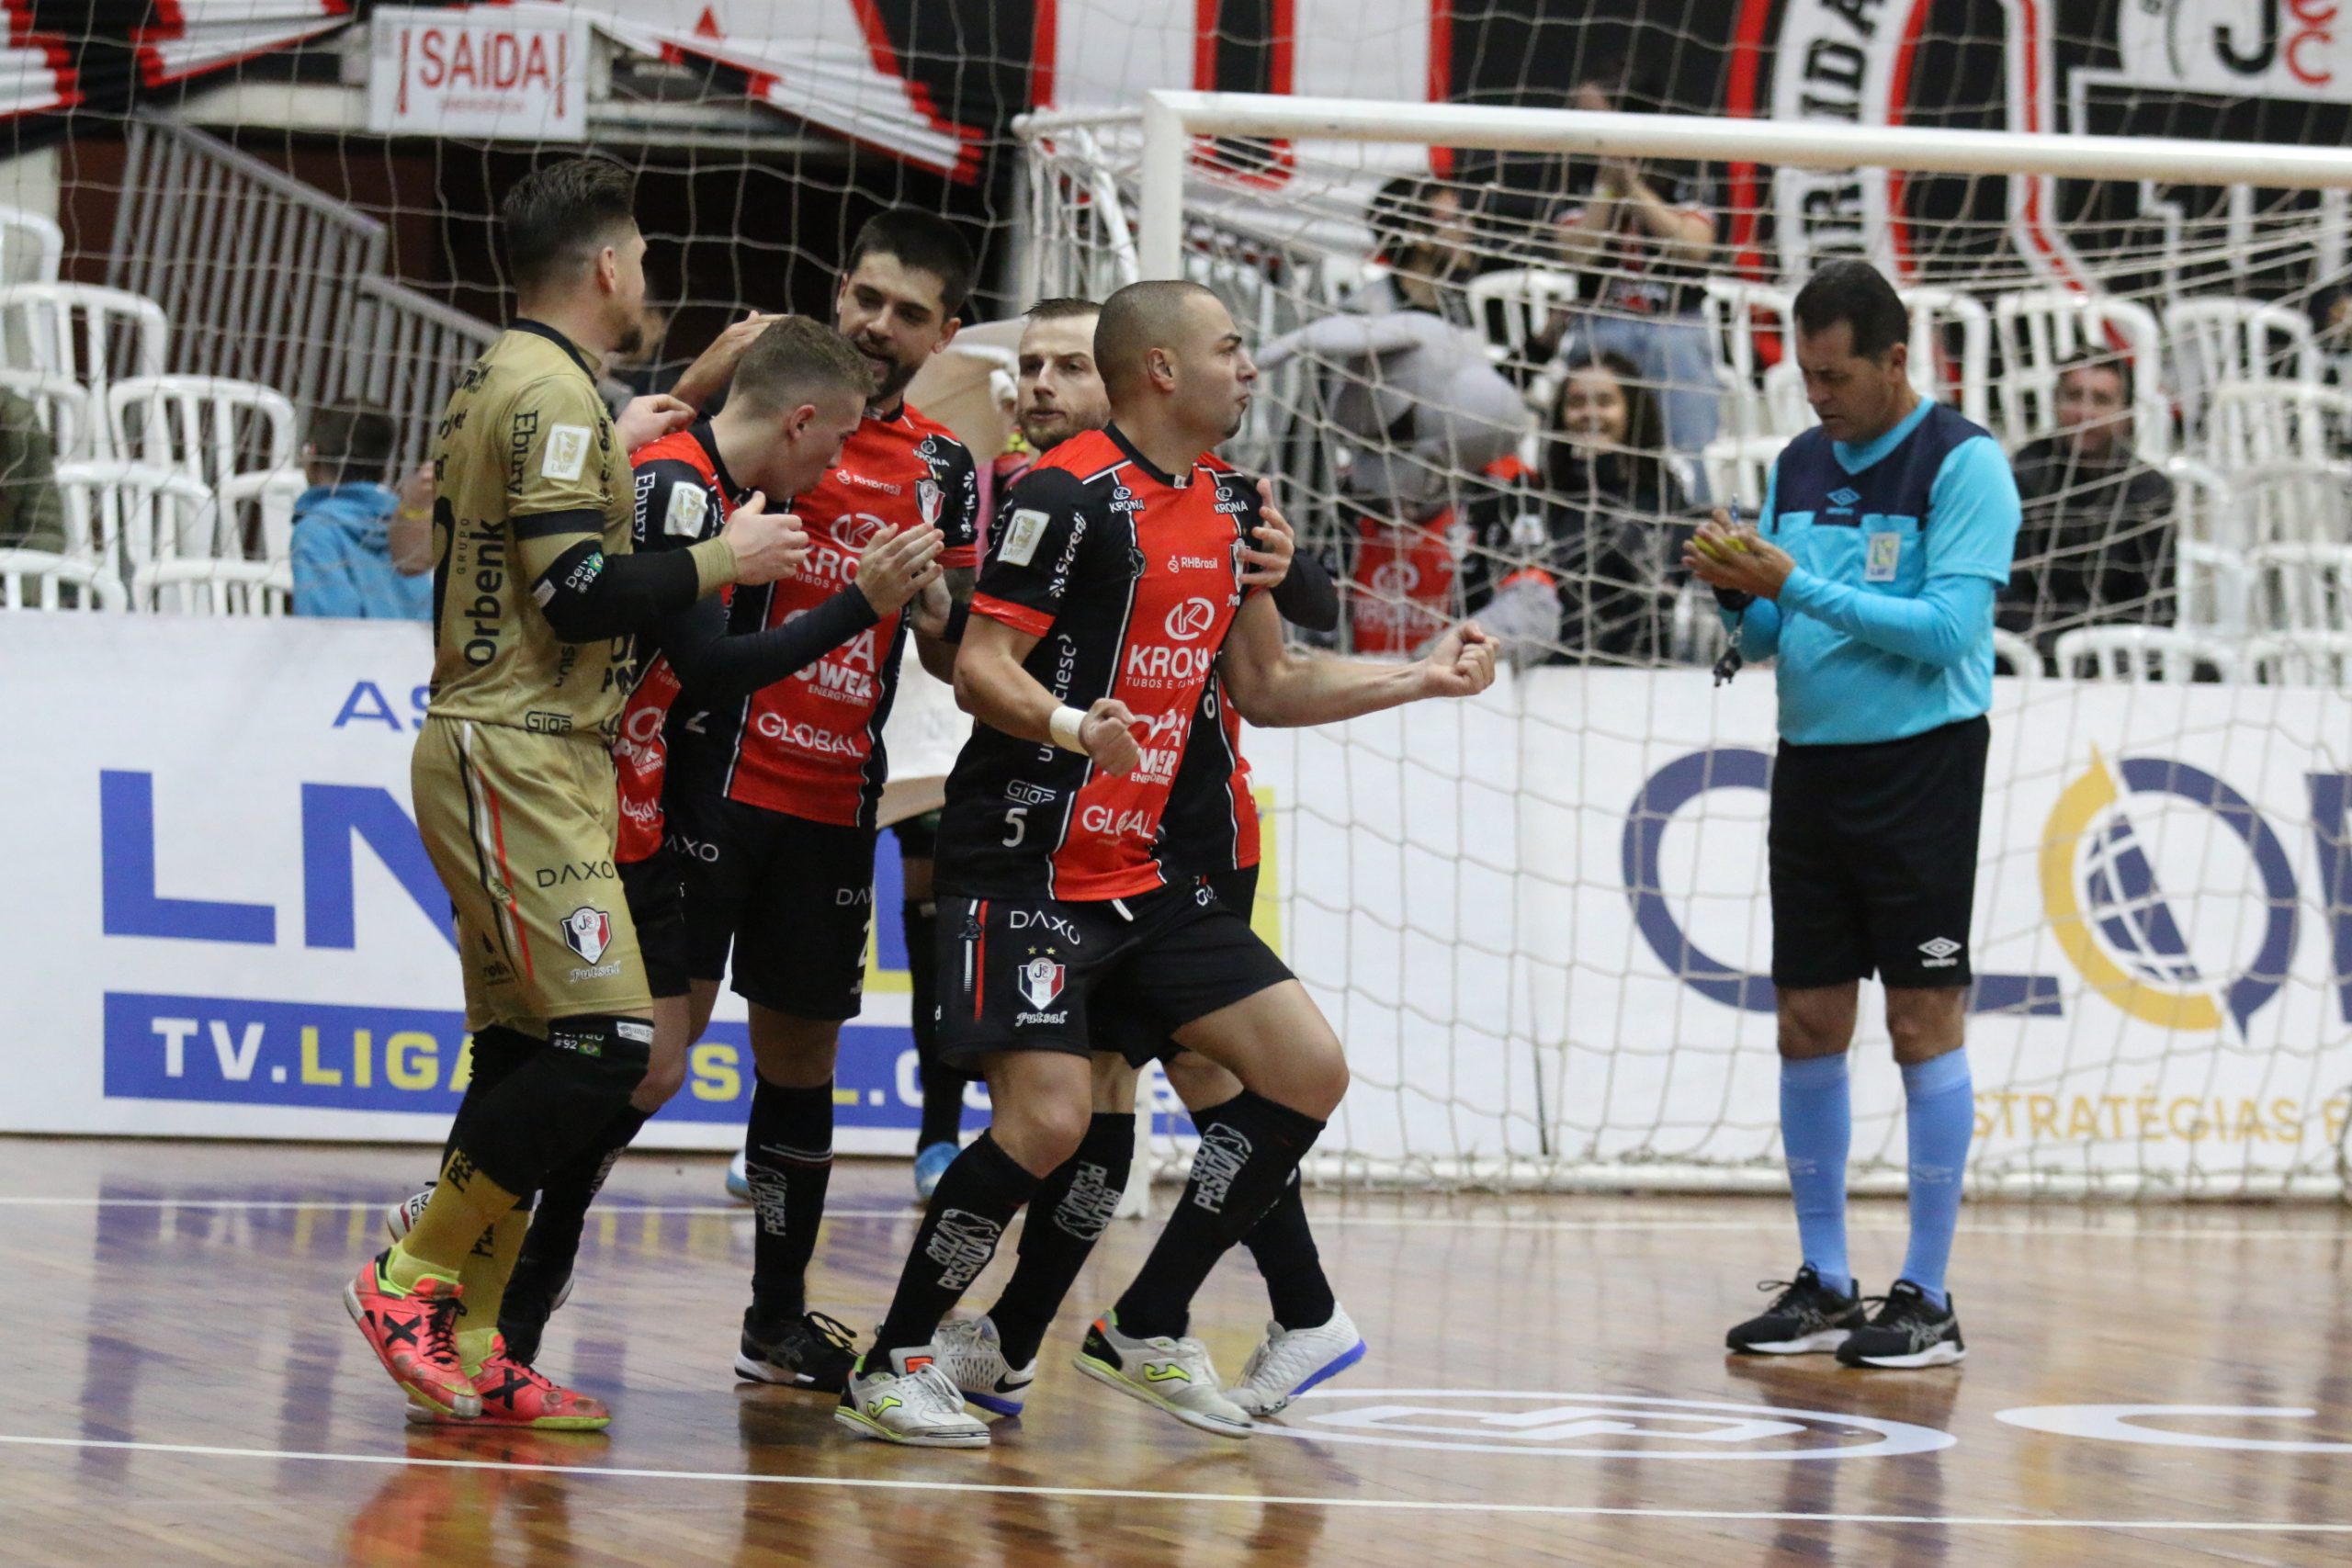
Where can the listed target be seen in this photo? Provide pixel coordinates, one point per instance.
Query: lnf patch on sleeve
(1020, 538)
(566, 452)
(689, 504)
(1886, 550)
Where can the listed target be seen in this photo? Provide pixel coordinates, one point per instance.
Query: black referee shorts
(1874, 859)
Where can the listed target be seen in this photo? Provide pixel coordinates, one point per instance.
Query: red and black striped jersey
(1129, 578)
(684, 496)
(811, 745)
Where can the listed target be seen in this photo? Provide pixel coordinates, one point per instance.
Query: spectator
(1424, 412)
(32, 514)
(1591, 567)
(343, 525)
(1649, 233)
(1421, 231)
(2097, 542)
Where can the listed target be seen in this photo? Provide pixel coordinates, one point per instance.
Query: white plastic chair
(2141, 654)
(1730, 308)
(2300, 586)
(208, 427)
(2040, 329)
(261, 506)
(122, 515)
(64, 409)
(1738, 467)
(2017, 653)
(2291, 502)
(1519, 302)
(84, 333)
(214, 588)
(36, 580)
(2252, 422)
(2302, 658)
(1936, 315)
(33, 248)
(2217, 340)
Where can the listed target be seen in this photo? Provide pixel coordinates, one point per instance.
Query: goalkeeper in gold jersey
(537, 601)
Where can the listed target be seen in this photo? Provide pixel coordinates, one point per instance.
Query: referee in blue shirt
(1870, 576)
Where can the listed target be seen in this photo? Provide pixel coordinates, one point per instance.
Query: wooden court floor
(1545, 1385)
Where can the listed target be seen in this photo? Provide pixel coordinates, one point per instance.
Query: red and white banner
(515, 73)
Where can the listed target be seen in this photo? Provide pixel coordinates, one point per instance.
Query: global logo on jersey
(2131, 861)
(1191, 619)
(1041, 981)
(587, 931)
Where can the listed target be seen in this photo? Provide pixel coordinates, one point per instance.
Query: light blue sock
(1817, 1128)
(1940, 1112)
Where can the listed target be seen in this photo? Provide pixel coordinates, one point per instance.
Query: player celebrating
(797, 395)
(775, 794)
(537, 596)
(1118, 573)
(1210, 829)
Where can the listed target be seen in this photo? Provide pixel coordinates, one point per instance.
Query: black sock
(943, 1086)
(976, 1199)
(552, 1244)
(789, 1157)
(1067, 1214)
(1248, 1148)
(1284, 1249)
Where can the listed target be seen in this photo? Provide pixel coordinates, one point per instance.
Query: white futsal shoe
(907, 1399)
(973, 1357)
(1289, 1361)
(1174, 1374)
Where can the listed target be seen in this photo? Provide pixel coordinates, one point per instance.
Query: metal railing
(258, 273)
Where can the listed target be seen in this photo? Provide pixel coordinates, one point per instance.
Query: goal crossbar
(1172, 119)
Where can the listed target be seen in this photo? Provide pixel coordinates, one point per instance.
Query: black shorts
(792, 899)
(657, 903)
(1122, 1023)
(1873, 857)
(1019, 974)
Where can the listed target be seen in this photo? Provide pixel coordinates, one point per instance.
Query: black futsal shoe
(1909, 1331)
(803, 1350)
(1808, 1318)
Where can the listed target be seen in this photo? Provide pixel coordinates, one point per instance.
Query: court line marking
(1133, 1495)
(2339, 1232)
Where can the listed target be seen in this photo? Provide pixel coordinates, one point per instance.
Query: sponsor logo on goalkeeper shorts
(2136, 902)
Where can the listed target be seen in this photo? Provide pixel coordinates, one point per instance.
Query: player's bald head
(1162, 314)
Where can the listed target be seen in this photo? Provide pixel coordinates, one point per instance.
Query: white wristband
(1064, 727)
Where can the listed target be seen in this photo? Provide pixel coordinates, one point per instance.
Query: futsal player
(536, 598)
(1115, 580)
(1885, 534)
(796, 396)
(778, 791)
(1210, 828)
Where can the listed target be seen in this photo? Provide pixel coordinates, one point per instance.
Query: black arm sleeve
(717, 666)
(588, 595)
(1307, 596)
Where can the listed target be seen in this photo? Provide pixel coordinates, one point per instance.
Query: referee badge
(1886, 551)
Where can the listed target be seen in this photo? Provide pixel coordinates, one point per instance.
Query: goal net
(1510, 357)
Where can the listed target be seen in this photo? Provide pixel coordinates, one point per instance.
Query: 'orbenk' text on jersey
(1129, 578)
(524, 448)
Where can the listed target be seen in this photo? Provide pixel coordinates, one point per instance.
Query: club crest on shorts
(588, 932)
(1041, 982)
(928, 499)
